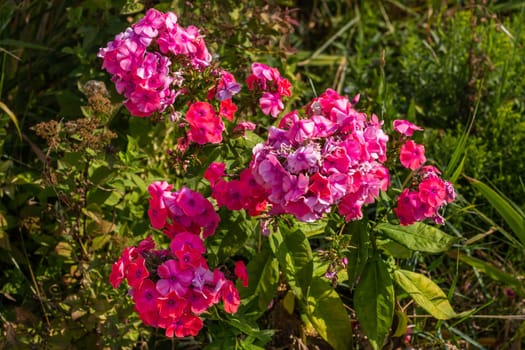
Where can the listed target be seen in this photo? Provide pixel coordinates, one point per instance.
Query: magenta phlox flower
(187, 239)
(118, 273)
(294, 187)
(192, 203)
(324, 127)
(172, 305)
(432, 191)
(227, 109)
(404, 127)
(320, 187)
(336, 160)
(173, 278)
(271, 104)
(184, 326)
(137, 272)
(301, 131)
(148, 27)
(145, 297)
(230, 297)
(242, 127)
(412, 155)
(214, 172)
(410, 208)
(241, 272)
(227, 86)
(288, 120)
(304, 158)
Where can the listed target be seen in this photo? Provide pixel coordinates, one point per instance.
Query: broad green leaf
(328, 315)
(374, 302)
(236, 232)
(394, 249)
(425, 293)
(511, 214)
(263, 277)
(418, 236)
(494, 272)
(296, 260)
(358, 251)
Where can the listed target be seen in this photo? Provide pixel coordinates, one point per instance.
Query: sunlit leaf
(418, 236)
(328, 315)
(425, 293)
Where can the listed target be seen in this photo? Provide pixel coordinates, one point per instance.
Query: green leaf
(418, 236)
(425, 293)
(13, 118)
(236, 231)
(296, 259)
(494, 272)
(358, 251)
(263, 277)
(374, 302)
(328, 315)
(510, 213)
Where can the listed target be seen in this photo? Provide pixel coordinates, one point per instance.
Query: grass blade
(512, 215)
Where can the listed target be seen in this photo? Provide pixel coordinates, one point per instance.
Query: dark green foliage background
(436, 63)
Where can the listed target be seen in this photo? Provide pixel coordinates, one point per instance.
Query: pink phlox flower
(137, 272)
(157, 214)
(145, 297)
(184, 326)
(242, 127)
(410, 208)
(404, 127)
(173, 278)
(270, 171)
(192, 203)
(289, 120)
(302, 130)
(227, 86)
(320, 187)
(148, 26)
(323, 127)
(294, 186)
(284, 88)
(412, 155)
(202, 277)
(230, 297)
(241, 272)
(304, 158)
(118, 272)
(432, 191)
(189, 258)
(227, 109)
(214, 172)
(187, 239)
(336, 160)
(350, 207)
(172, 305)
(271, 104)
(146, 245)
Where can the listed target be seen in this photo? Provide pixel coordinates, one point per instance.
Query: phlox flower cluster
(140, 61)
(172, 287)
(428, 193)
(273, 86)
(243, 193)
(180, 211)
(332, 157)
